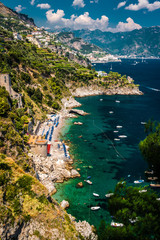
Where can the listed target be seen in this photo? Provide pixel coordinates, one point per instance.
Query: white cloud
(19, 8)
(78, 3)
(32, 2)
(144, 4)
(44, 6)
(130, 25)
(83, 21)
(121, 4)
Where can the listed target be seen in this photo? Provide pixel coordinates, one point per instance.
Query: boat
(96, 194)
(133, 220)
(118, 126)
(115, 131)
(117, 101)
(152, 178)
(114, 224)
(149, 172)
(143, 190)
(111, 67)
(116, 139)
(101, 99)
(139, 181)
(143, 123)
(111, 112)
(158, 199)
(155, 185)
(122, 136)
(88, 181)
(95, 208)
(109, 195)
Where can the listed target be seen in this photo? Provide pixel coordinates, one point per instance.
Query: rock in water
(80, 185)
(64, 204)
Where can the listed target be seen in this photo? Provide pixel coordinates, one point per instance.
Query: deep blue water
(96, 153)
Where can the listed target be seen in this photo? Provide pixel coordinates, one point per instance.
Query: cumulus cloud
(83, 21)
(78, 3)
(44, 6)
(32, 2)
(144, 4)
(121, 4)
(130, 25)
(19, 8)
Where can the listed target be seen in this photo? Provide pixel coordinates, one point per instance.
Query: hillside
(6, 12)
(144, 42)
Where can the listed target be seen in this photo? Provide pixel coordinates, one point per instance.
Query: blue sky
(106, 15)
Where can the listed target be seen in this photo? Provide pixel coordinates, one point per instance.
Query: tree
(4, 107)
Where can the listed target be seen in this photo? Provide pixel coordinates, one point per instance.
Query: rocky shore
(94, 90)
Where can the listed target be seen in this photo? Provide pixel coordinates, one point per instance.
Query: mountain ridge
(139, 43)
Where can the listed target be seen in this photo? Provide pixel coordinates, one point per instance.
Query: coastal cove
(91, 144)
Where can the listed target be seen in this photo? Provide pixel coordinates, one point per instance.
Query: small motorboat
(96, 194)
(95, 208)
(152, 178)
(118, 126)
(110, 112)
(116, 139)
(115, 131)
(138, 181)
(117, 101)
(155, 185)
(101, 99)
(122, 136)
(109, 195)
(142, 191)
(114, 224)
(88, 181)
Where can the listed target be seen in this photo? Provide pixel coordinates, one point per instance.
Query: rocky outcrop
(64, 204)
(95, 90)
(78, 111)
(86, 230)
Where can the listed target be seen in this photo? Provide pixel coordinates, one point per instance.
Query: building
(38, 145)
(5, 81)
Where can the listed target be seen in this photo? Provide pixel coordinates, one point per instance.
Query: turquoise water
(96, 152)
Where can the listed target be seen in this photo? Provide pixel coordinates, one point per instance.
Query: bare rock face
(78, 111)
(64, 204)
(86, 230)
(74, 173)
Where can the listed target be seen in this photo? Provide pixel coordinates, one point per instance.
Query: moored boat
(155, 185)
(96, 194)
(88, 181)
(109, 195)
(139, 181)
(95, 208)
(114, 224)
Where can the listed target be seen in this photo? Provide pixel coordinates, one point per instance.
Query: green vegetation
(138, 211)
(22, 197)
(115, 79)
(150, 146)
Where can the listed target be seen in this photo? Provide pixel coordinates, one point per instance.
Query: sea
(105, 148)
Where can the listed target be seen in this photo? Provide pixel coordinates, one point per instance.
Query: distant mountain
(9, 13)
(144, 42)
(77, 44)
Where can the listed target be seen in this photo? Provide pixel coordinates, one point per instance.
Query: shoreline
(56, 168)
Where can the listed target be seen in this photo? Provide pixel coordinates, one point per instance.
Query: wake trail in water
(153, 89)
